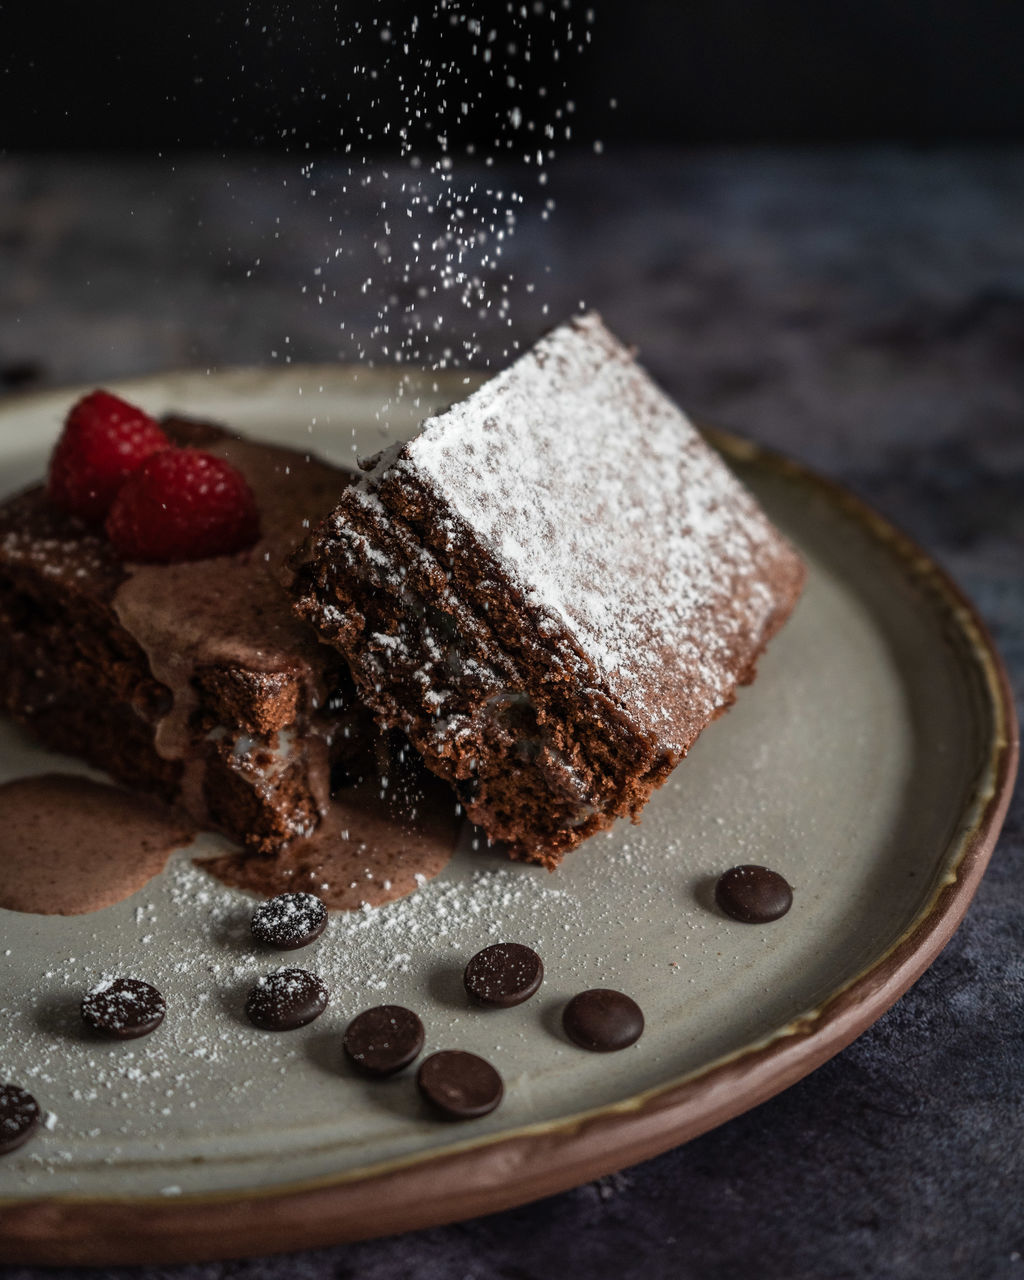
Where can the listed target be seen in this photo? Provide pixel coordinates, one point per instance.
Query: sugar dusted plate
(871, 763)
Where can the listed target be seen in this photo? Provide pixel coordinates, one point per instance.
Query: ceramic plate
(870, 763)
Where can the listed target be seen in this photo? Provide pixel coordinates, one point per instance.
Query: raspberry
(183, 504)
(103, 441)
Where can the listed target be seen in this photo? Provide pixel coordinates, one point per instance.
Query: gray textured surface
(863, 311)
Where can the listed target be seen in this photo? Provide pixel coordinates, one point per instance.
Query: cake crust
(551, 590)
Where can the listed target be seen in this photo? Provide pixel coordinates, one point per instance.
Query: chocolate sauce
(69, 845)
(367, 849)
(228, 610)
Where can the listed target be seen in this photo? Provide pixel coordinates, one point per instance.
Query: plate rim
(488, 1174)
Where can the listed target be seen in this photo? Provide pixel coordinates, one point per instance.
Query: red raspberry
(183, 504)
(103, 441)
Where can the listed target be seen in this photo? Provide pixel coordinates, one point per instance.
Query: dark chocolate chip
(460, 1085)
(383, 1040)
(290, 920)
(19, 1117)
(603, 1020)
(752, 894)
(286, 999)
(504, 974)
(124, 1008)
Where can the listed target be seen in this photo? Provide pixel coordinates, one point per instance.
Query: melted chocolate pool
(69, 845)
(367, 849)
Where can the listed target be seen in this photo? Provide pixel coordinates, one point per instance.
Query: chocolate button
(123, 1008)
(19, 1116)
(752, 894)
(290, 920)
(383, 1040)
(285, 1000)
(603, 1020)
(460, 1085)
(503, 975)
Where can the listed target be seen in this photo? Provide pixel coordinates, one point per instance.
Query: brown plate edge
(489, 1175)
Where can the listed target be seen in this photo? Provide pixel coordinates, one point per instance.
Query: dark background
(860, 307)
(197, 76)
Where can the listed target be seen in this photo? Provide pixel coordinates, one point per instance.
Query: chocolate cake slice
(551, 590)
(194, 681)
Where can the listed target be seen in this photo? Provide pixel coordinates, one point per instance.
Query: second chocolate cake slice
(551, 590)
(194, 680)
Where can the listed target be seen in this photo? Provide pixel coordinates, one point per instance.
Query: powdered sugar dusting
(602, 503)
(190, 936)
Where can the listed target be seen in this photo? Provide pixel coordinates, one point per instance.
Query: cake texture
(551, 590)
(193, 681)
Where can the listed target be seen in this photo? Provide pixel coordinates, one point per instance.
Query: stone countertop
(862, 310)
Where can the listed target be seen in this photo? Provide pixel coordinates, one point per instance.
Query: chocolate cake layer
(193, 681)
(551, 590)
